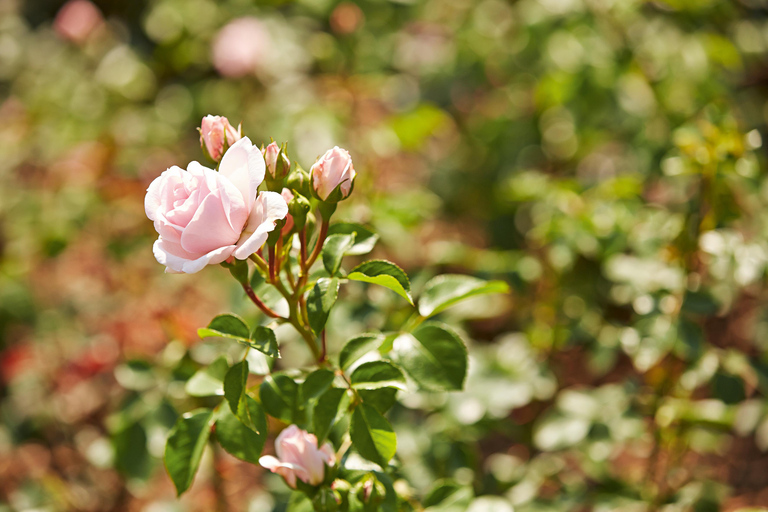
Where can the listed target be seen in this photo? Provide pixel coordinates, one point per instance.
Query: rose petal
(177, 260)
(243, 164)
(267, 210)
(210, 228)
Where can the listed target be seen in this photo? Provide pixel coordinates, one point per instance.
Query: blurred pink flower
(299, 456)
(239, 47)
(216, 134)
(77, 20)
(333, 169)
(204, 217)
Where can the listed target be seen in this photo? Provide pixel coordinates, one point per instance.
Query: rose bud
(277, 161)
(288, 196)
(216, 135)
(298, 456)
(204, 217)
(332, 176)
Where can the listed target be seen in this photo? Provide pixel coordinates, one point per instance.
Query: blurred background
(605, 157)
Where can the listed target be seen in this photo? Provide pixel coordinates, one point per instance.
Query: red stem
(256, 300)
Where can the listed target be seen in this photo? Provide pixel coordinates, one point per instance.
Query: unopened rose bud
(216, 135)
(299, 456)
(333, 175)
(288, 226)
(277, 161)
(298, 180)
(298, 208)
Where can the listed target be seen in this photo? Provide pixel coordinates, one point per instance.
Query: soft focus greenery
(604, 157)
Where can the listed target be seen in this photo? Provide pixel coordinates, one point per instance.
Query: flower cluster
(204, 216)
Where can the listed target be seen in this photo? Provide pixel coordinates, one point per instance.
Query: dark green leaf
(444, 291)
(264, 340)
(185, 446)
(234, 384)
(372, 435)
(316, 384)
(238, 269)
(244, 438)
(132, 458)
(279, 396)
(382, 399)
(226, 326)
(209, 381)
(365, 239)
(320, 301)
(334, 249)
(358, 347)
(383, 273)
(330, 407)
(377, 374)
(434, 356)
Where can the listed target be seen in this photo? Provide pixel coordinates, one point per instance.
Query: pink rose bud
(216, 135)
(299, 456)
(278, 164)
(331, 172)
(204, 217)
(288, 197)
(77, 20)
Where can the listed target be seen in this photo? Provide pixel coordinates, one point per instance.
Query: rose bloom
(332, 170)
(216, 134)
(299, 456)
(239, 47)
(77, 20)
(204, 217)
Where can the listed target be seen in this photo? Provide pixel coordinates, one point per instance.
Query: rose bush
(204, 217)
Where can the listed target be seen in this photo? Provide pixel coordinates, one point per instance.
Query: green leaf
(234, 384)
(358, 347)
(132, 458)
(334, 249)
(365, 239)
(376, 375)
(444, 291)
(279, 396)
(244, 438)
(316, 384)
(382, 399)
(372, 435)
(448, 496)
(434, 356)
(329, 409)
(238, 269)
(264, 340)
(320, 301)
(209, 381)
(383, 273)
(226, 326)
(185, 446)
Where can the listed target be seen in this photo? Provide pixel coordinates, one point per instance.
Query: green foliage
(434, 356)
(372, 435)
(185, 446)
(446, 290)
(242, 435)
(383, 273)
(320, 301)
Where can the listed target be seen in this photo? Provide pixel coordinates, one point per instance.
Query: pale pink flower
(77, 20)
(299, 456)
(270, 157)
(333, 169)
(204, 217)
(216, 134)
(288, 196)
(240, 47)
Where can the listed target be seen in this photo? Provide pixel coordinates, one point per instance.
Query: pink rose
(334, 169)
(204, 217)
(216, 134)
(270, 157)
(299, 456)
(288, 196)
(77, 20)
(239, 47)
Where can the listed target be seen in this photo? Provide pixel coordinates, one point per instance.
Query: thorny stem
(272, 262)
